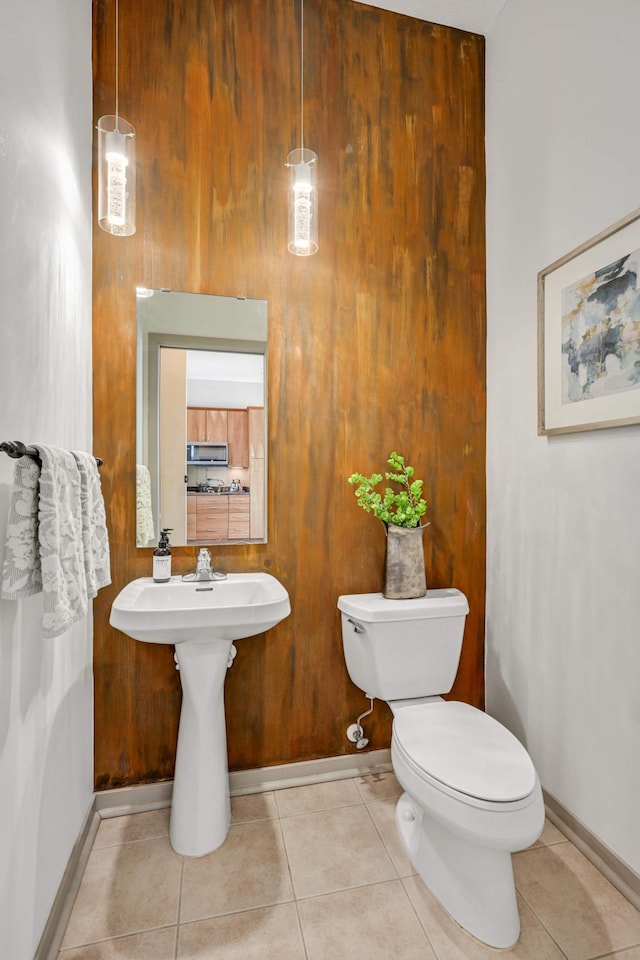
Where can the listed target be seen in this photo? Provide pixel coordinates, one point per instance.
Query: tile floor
(317, 873)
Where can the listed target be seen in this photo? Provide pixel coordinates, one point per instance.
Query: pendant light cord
(301, 74)
(117, 64)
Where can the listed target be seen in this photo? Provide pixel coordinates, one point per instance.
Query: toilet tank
(402, 649)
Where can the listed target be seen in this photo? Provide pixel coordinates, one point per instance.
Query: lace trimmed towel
(145, 530)
(64, 580)
(21, 573)
(95, 539)
(46, 538)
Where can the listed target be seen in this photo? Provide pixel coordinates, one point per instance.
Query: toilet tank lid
(373, 607)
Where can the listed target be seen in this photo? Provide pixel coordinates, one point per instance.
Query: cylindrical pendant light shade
(116, 176)
(303, 202)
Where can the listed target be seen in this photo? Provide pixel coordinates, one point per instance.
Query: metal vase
(404, 573)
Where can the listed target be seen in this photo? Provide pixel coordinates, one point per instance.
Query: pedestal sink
(202, 619)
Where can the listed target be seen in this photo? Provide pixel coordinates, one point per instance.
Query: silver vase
(404, 572)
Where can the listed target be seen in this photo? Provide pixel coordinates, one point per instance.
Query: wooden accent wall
(376, 344)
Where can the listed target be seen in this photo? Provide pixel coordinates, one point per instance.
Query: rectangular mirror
(201, 423)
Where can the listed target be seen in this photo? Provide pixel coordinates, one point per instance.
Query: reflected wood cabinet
(238, 438)
(192, 523)
(256, 471)
(216, 421)
(206, 425)
(213, 516)
(255, 421)
(239, 517)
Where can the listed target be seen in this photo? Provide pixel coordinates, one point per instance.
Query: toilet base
(473, 883)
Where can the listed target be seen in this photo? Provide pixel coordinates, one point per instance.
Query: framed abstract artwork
(589, 334)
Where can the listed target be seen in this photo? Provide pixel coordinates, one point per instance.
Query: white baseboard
(152, 796)
(309, 771)
(49, 945)
(137, 799)
(617, 872)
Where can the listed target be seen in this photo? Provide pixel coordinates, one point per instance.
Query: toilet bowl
(472, 798)
(472, 795)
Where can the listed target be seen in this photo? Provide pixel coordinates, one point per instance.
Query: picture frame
(589, 334)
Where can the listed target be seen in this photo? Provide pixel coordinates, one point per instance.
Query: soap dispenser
(162, 558)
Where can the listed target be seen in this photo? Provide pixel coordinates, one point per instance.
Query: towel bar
(15, 449)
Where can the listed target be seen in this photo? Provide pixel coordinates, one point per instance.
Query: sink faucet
(203, 568)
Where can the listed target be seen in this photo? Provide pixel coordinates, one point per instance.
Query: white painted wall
(563, 588)
(46, 696)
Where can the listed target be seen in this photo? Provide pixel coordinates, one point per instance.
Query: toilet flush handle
(357, 627)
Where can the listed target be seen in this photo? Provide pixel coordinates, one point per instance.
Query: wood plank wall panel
(377, 343)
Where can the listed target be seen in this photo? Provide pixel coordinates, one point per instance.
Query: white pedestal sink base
(200, 808)
(202, 618)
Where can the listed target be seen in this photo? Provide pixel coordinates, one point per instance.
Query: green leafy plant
(403, 507)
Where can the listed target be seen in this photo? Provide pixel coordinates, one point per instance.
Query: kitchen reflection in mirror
(200, 418)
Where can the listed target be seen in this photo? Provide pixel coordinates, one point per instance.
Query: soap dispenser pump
(162, 558)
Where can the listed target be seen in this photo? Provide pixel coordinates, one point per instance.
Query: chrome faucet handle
(204, 570)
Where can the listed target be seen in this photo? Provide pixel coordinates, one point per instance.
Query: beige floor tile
(339, 842)
(249, 870)
(383, 813)
(368, 923)
(252, 935)
(126, 889)
(451, 942)
(378, 786)
(155, 945)
(334, 849)
(253, 806)
(583, 912)
(317, 796)
(135, 826)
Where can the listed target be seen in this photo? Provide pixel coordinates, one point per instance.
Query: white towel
(95, 538)
(57, 539)
(145, 530)
(64, 581)
(21, 573)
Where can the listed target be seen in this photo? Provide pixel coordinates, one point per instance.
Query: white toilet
(472, 793)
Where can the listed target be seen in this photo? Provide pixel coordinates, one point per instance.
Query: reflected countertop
(245, 492)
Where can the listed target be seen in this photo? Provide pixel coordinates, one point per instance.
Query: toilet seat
(465, 750)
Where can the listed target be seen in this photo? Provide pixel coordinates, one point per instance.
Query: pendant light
(303, 194)
(116, 170)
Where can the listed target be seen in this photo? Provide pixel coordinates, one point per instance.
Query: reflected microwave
(208, 454)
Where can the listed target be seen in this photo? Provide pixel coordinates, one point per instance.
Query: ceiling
(476, 16)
